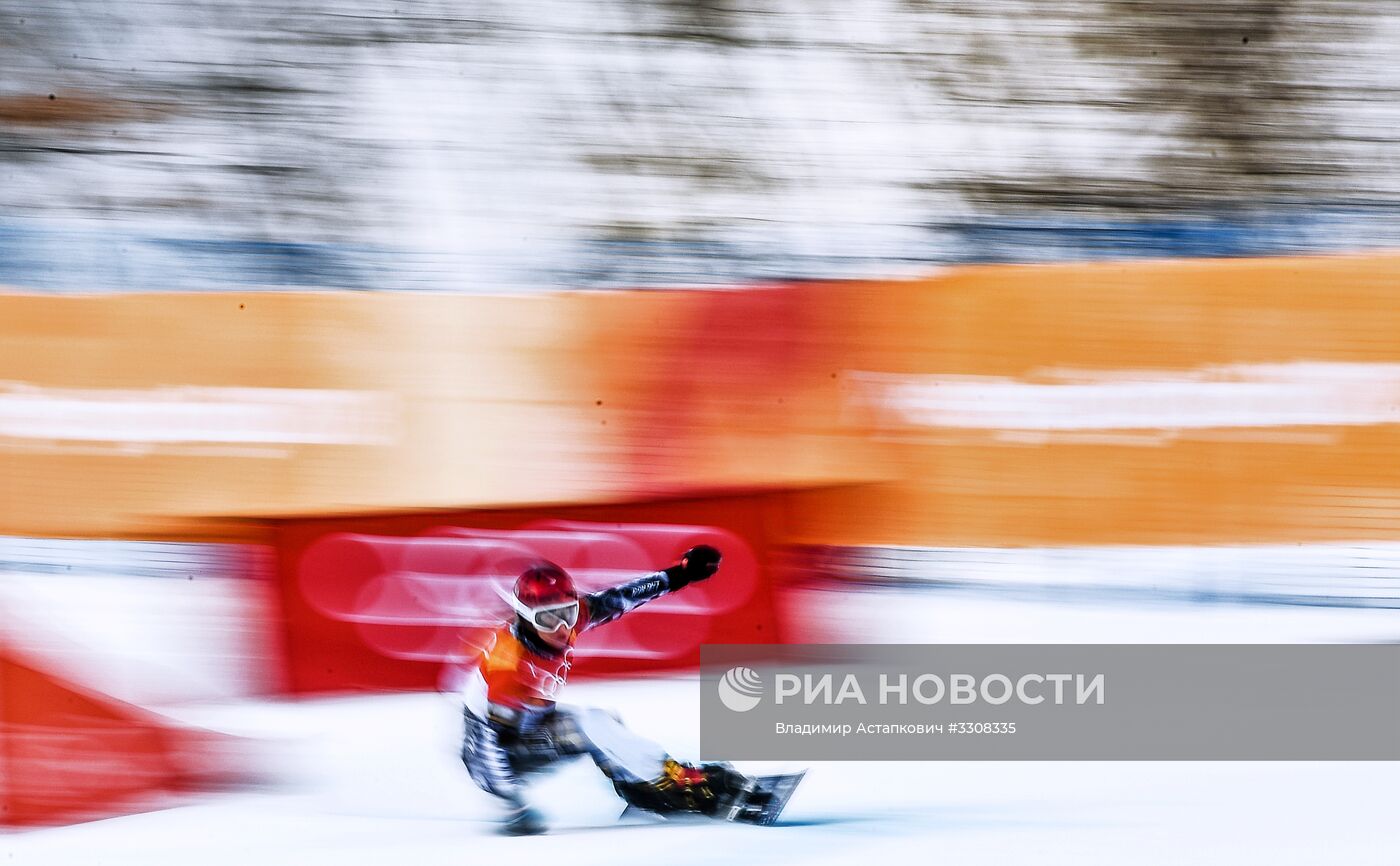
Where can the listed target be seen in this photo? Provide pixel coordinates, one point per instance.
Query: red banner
(70, 754)
(383, 603)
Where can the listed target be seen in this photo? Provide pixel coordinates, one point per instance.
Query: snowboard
(762, 800)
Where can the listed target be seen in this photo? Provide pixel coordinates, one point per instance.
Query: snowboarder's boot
(524, 822)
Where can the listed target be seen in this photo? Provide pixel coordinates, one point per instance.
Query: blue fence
(43, 256)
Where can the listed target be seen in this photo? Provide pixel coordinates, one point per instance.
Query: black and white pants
(500, 757)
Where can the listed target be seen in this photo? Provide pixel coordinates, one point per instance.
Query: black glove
(697, 563)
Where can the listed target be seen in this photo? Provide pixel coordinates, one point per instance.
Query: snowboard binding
(713, 790)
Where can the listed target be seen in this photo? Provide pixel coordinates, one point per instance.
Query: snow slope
(374, 780)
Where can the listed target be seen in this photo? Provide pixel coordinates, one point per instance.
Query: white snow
(375, 780)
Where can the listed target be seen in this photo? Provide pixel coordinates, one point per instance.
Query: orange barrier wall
(1180, 402)
(221, 409)
(191, 415)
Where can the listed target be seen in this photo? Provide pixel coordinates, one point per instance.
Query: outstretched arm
(606, 605)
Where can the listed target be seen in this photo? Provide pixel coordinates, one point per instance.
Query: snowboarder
(514, 728)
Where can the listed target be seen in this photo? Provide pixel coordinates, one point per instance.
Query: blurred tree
(1240, 75)
(1241, 97)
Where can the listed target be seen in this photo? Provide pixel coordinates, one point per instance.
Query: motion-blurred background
(1005, 321)
(510, 145)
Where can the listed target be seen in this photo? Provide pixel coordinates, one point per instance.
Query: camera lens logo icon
(740, 689)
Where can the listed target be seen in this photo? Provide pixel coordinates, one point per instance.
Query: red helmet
(542, 584)
(545, 597)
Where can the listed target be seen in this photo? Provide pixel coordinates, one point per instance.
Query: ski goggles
(552, 617)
